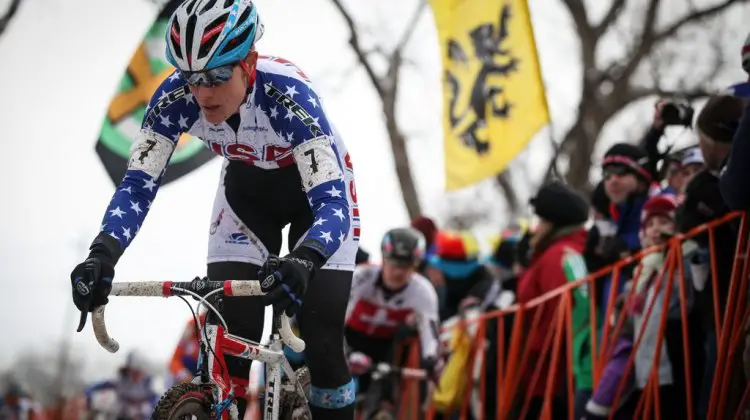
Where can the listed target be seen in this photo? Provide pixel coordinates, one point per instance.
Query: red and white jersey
(378, 312)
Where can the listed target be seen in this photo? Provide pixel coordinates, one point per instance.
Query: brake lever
(82, 321)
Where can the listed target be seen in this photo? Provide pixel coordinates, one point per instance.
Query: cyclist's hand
(359, 363)
(284, 280)
(92, 281)
(434, 367)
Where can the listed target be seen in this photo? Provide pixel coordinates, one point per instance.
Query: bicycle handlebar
(198, 287)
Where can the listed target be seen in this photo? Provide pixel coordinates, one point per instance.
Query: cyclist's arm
(427, 309)
(359, 279)
(167, 116)
(318, 160)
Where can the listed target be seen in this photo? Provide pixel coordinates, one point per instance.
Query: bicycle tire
(181, 400)
(293, 406)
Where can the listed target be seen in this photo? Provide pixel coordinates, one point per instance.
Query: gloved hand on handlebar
(91, 280)
(434, 367)
(285, 280)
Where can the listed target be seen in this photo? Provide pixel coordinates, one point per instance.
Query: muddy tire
(184, 401)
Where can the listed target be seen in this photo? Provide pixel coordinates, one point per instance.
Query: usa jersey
(282, 123)
(378, 313)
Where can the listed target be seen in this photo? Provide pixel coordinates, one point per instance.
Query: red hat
(660, 205)
(426, 226)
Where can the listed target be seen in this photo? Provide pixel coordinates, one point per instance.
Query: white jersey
(378, 313)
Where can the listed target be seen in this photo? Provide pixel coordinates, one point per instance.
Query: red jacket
(546, 273)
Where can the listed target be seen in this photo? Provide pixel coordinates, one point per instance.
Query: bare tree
(387, 85)
(8, 15)
(659, 60)
(639, 73)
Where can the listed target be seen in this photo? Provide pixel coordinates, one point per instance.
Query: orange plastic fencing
(511, 360)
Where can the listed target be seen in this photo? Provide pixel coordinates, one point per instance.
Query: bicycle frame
(216, 337)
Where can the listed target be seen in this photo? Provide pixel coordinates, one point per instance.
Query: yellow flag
(494, 100)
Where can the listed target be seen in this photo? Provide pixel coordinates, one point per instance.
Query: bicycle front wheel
(184, 401)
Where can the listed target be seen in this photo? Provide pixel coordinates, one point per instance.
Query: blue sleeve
(318, 160)
(734, 175)
(100, 386)
(169, 113)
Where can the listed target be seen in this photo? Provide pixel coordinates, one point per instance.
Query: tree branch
(506, 185)
(609, 19)
(9, 14)
(411, 25)
(695, 16)
(357, 47)
(650, 37)
(586, 33)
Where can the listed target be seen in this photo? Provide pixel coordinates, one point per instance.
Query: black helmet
(405, 245)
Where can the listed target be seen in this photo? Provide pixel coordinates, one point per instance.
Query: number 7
(313, 162)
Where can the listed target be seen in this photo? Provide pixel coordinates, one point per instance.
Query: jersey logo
(282, 99)
(164, 102)
(376, 321)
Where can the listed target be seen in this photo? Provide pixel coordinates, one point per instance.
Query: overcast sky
(60, 62)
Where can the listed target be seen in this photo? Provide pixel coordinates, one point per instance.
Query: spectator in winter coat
(465, 280)
(726, 127)
(626, 182)
(651, 288)
(557, 258)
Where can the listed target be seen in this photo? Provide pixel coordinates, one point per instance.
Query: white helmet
(205, 34)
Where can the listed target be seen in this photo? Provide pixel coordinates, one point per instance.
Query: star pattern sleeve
(318, 161)
(168, 115)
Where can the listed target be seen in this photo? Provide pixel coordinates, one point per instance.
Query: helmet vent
(243, 36)
(207, 7)
(211, 34)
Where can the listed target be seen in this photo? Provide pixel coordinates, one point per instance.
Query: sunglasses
(209, 78)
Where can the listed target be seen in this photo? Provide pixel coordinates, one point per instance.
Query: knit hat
(456, 246)
(660, 205)
(560, 205)
(427, 227)
(692, 156)
(629, 156)
(719, 118)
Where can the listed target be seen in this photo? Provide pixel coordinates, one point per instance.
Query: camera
(677, 113)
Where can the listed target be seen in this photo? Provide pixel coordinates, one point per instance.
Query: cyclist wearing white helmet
(285, 165)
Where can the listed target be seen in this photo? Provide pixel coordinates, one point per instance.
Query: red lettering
(273, 152)
(240, 151)
(348, 161)
(353, 191)
(216, 147)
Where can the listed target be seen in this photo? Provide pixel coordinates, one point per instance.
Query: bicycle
(369, 404)
(211, 394)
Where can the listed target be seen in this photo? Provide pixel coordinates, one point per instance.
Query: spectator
(557, 246)
(17, 404)
(428, 228)
(703, 202)
(466, 282)
(746, 56)
(723, 127)
(658, 223)
(674, 176)
(626, 183)
(602, 233)
(692, 163)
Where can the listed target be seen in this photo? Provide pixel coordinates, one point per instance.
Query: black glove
(284, 280)
(91, 280)
(434, 368)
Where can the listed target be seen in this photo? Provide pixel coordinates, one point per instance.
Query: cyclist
(135, 394)
(285, 165)
(386, 298)
(184, 363)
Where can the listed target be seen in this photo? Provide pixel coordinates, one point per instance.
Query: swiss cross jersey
(281, 123)
(377, 312)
